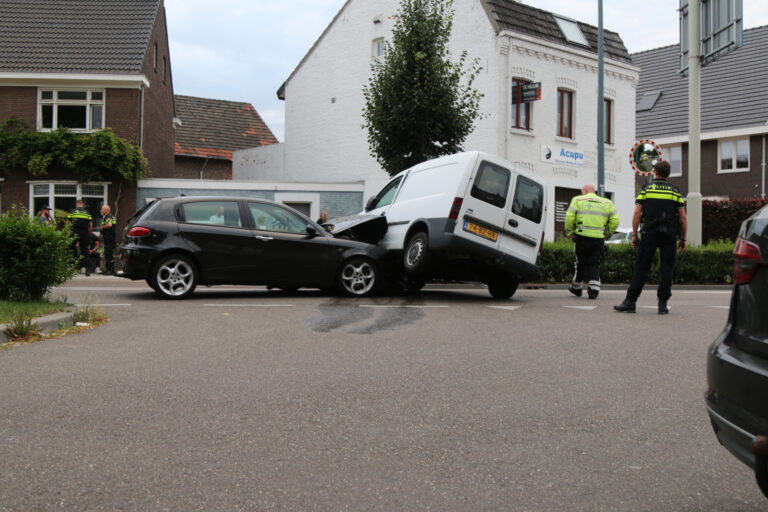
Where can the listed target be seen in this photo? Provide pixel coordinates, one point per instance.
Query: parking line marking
(585, 308)
(508, 308)
(398, 306)
(720, 307)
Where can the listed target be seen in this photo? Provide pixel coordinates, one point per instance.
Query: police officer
(82, 225)
(107, 230)
(587, 220)
(660, 209)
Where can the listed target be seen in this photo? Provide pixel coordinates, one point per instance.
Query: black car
(737, 362)
(175, 244)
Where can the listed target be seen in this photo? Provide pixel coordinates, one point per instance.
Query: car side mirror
(311, 231)
(371, 204)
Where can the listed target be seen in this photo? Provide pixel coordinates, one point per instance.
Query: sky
(243, 50)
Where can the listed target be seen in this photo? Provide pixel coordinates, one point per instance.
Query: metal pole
(762, 190)
(600, 104)
(694, 123)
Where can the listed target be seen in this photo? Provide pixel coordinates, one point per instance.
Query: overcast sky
(243, 50)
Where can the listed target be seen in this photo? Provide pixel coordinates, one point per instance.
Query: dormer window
(571, 31)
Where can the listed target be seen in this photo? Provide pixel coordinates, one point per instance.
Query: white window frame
(734, 157)
(51, 195)
(377, 48)
(56, 102)
(667, 150)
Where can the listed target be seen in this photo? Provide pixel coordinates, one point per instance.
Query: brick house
(734, 116)
(210, 131)
(87, 65)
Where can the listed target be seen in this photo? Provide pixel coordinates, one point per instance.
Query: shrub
(708, 264)
(33, 257)
(722, 219)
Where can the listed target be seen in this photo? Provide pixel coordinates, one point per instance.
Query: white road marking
(720, 307)
(508, 308)
(585, 308)
(105, 305)
(398, 306)
(249, 305)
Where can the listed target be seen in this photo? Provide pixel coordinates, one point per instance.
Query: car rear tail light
(541, 245)
(138, 231)
(455, 207)
(746, 258)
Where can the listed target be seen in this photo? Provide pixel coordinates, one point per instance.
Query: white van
(468, 216)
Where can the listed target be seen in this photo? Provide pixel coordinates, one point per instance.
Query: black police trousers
(84, 239)
(588, 253)
(666, 242)
(109, 254)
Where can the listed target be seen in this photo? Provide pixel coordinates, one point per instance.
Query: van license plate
(481, 231)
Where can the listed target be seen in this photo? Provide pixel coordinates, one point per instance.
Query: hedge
(709, 264)
(721, 220)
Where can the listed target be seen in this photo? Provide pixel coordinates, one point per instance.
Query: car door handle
(263, 238)
(512, 222)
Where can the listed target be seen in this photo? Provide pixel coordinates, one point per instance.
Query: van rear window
(529, 197)
(491, 184)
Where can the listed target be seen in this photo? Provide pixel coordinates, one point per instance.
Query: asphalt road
(245, 399)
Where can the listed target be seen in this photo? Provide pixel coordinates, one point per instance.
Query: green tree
(419, 104)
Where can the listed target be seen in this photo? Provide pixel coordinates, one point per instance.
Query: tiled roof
(214, 128)
(538, 23)
(75, 36)
(732, 89)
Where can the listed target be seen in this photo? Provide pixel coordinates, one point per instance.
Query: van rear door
(524, 223)
(483, 211)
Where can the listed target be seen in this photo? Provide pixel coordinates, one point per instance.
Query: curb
(47, 323)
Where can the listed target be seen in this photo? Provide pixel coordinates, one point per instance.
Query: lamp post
(600, 104)
(694, 124)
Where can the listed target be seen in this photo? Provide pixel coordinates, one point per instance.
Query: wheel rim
(415, 251)
(358, 277)
(175, 277)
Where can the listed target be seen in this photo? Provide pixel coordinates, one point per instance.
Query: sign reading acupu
(562, 155)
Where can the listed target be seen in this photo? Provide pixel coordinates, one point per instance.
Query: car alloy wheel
(358, 277)
(175, 277)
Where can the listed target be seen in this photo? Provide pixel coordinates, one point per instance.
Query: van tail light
(455, 207)
(541, 245)
(746, 258)
(138, 231)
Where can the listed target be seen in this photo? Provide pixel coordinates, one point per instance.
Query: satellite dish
(644, 155)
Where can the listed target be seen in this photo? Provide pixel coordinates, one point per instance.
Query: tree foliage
(87, 156)
(420, 104)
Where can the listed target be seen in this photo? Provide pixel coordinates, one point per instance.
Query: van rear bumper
(442, 239)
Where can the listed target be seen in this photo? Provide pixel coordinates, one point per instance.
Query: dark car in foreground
(737, 361)
(178, 243)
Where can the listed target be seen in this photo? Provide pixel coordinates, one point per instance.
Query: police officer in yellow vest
(82, 225)
(588, 219)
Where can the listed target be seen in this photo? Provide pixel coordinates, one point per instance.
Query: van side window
(491, 184)
(529, 197)
(387, 194)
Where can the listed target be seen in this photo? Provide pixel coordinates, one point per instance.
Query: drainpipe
(205, 162)
(141, 116)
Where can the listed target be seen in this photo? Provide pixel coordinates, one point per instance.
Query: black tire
(358, 277)
(174, 277)
(503, 287)
(761, 473)
(416, 254)
(412, 284)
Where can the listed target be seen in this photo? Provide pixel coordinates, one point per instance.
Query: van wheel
(416, 255)
(503, 287)
(174, 277)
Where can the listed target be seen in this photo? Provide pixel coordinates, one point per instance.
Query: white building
(516, 43)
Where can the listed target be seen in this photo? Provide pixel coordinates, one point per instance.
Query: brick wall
(190, 167)
(122, 112)
(20, 102)
(158, 138)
